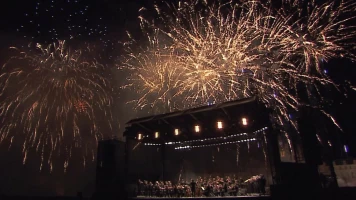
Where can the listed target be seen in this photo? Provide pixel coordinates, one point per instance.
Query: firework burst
(229, 51)
(51, 100)
(158, 74)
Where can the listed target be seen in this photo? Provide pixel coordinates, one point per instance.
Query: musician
(199, 187)
(231, 189)
(139, 187)
(225, 187)
(157, 189)
(162, 189)
(170, 189)
(145, 188)
(208, 187)
(175, 191)
(240, 181)
(262, 184)
(236, 189)
(193, 185)
(221, 189)
(166, 189)
(150, 189)
(215, 189)
(180, 190)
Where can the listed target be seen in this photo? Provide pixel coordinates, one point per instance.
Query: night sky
(102, 23)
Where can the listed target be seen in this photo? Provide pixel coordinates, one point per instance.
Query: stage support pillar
(110, 170)
(163, 160)
(126, 164)
(311, 146)
(273, 154)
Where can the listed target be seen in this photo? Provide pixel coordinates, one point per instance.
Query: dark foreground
(329, 194)
(210, 198)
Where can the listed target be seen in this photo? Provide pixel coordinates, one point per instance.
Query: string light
(209, 139)
(176, 131)
(216, 144)
(156, 134)
(139, 137)
(151, 144)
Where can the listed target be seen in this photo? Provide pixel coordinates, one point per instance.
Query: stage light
(139, 137)
(346, 148)
(156, 134)
(220, 125)
(197, 129)
(244, 121)
(176, 131)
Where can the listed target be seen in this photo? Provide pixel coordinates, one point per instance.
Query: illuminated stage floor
(265, 197)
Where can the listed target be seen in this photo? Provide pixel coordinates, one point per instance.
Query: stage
(256, 196)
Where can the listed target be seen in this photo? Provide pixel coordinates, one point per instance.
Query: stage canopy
(225, 123)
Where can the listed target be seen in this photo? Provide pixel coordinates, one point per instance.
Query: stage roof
(219, 120)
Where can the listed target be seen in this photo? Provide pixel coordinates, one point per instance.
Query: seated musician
(231, 189)
(139, 187)
(215, 189)
(221, 189)
(157, 189)
(180, 190)
(236, 189)
(162, 189)
(225, 187)
(150, 189)
(145, 188)
(175, 190)
(171, 189)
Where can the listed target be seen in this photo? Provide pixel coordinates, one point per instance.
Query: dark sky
(101, 22)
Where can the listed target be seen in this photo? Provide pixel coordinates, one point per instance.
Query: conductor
(193, 185)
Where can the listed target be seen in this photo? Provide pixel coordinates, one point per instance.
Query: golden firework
(234, 50)
(51, 100)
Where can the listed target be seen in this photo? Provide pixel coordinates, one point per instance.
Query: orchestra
(203, 187)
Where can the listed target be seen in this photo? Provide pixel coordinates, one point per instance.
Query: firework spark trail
(52, 98)
(156, 68)
(65, 19)
(229, 51)
(237, 154)
(137, 145)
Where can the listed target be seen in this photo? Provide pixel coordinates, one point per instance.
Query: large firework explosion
(226, 51)
(157, 71)
(55, 100)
